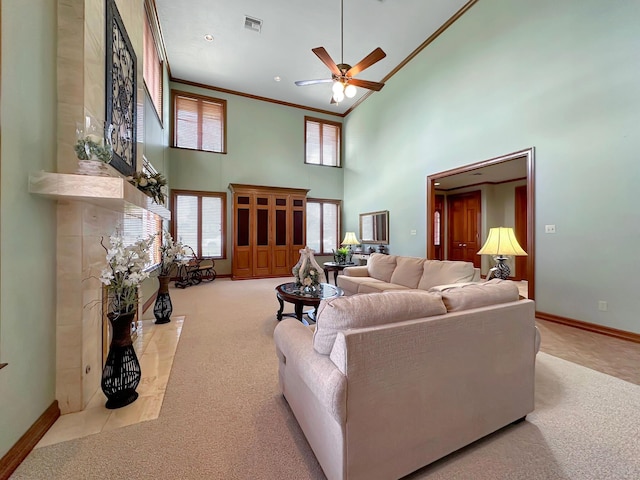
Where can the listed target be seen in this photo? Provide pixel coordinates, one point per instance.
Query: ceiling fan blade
(302, 83)
(326, 59)
(377, 86)
(375, 56)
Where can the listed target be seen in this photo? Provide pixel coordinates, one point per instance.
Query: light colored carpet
(224, 418)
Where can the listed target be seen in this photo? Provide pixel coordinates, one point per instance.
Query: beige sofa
(394, 272)
(389, 382)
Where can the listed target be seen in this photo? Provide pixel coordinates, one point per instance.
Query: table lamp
(350, 240)
(502, 241)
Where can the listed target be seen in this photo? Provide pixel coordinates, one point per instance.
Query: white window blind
(313, 225)
(199, 122)
(322, 142)
(211, 226)
(199, 222)
(152, 67)
(323, 225)
(187, 220)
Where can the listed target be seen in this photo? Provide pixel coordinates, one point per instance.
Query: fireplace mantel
(114, 193)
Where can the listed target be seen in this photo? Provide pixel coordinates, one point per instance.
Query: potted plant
(342, 255)
(151, 185)
(124, 272)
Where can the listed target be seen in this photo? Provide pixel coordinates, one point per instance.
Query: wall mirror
(374, 227)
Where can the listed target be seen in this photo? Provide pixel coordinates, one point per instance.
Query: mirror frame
(386, 228)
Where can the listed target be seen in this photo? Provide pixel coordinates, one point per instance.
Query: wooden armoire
(269, 229)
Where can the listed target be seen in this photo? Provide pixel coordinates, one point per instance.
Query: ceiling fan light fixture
(337, 87)
(350, 91)
(338, 96)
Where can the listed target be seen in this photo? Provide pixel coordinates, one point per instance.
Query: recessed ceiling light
(208, 38)
(437, 183)
(277, 78)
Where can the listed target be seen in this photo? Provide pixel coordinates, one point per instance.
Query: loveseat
(396, 272)
(389, 382)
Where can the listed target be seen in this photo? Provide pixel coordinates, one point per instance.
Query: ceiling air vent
(253, 24)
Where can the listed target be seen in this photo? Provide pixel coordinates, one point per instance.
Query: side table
(335, 268)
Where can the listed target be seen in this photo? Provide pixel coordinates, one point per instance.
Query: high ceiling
(242, 60)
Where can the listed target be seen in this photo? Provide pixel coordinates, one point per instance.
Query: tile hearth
(155, 346)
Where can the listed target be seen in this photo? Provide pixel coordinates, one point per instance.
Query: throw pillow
(368, 310)
(438, 272)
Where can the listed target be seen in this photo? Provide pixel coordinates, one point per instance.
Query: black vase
(163, 308)
(121, 373)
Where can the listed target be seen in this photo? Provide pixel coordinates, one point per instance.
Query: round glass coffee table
(289, 292)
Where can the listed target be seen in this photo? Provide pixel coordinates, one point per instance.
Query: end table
(335, 268)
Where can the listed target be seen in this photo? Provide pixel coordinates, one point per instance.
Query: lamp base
(502, 270)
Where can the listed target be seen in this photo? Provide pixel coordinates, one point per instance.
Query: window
(323, 225)
(199, 122)
(199, 221)
(152, 66)
(137, 226)
(322, 142)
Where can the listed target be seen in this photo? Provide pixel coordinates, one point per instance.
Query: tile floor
(156, 346)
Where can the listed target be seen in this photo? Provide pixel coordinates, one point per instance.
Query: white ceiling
(243, 61)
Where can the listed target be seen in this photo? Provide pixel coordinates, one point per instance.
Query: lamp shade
(502, 241)
(350, 239)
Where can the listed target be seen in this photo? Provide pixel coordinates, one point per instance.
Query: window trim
(200, 98)
(223, 219)
(322, 201)
(322, 122)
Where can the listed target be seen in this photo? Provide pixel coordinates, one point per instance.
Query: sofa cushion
(438, 272)
(351, 285)
(381, 266)
(408, 271)
(478, 295)
(368, 310)
(378, 287)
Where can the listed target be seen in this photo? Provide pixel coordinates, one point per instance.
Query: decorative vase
(121, 373)
(307, 272)
(163, 307)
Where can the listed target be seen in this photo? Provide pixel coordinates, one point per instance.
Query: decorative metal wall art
(121, 92)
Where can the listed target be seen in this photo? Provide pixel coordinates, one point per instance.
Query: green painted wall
(562, 77)
(28, 222)
(265, 146)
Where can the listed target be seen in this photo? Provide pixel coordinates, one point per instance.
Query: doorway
(463, 226)
(499, 169)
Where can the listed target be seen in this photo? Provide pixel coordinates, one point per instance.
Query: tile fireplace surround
(89, 208)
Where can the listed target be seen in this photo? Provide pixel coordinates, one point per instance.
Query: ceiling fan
(342, 73)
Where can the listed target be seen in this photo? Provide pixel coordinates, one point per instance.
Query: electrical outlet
(549, 229)
(602, 306)
(413, 232)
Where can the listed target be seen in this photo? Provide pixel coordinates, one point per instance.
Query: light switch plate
(549, 229)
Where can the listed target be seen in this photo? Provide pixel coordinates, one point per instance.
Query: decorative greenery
(169, 250)
(342, 255)
(125, 271)
(150, 184)
(92, 147)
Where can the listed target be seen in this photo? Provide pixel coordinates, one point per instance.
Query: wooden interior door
(521, 226)
(464, 227)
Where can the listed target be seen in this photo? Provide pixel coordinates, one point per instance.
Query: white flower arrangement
(151, 185)
(169, 250)
(125, 271)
